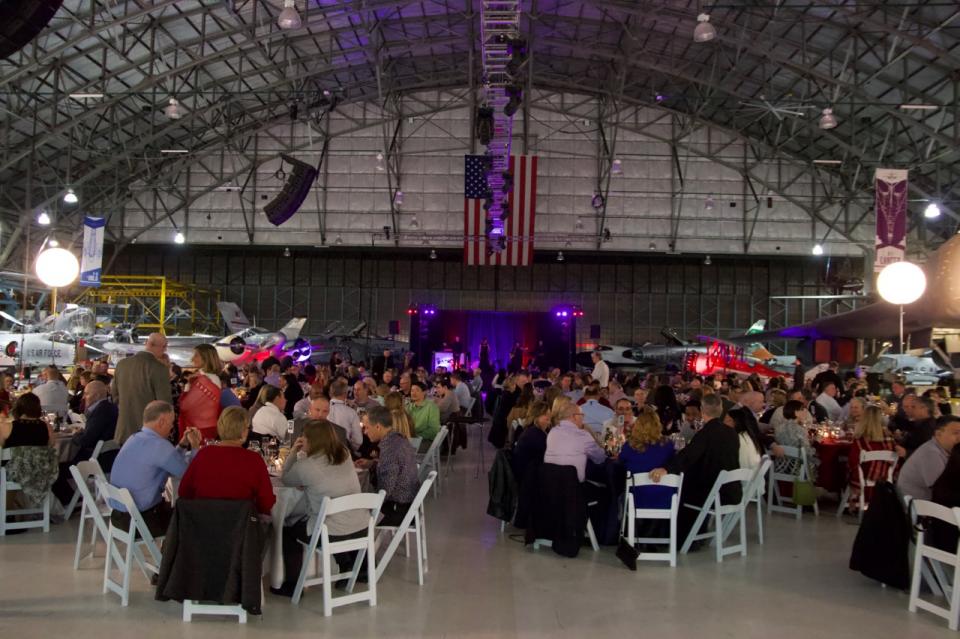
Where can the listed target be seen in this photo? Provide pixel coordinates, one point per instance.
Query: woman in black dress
(28, 427)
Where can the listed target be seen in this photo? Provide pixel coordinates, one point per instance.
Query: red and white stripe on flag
(518, 227)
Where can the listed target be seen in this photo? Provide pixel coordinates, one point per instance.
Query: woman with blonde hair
(324, 470)
(645, 449)
(229, 471)
(402, 421)
(200, 400)
(870, 435)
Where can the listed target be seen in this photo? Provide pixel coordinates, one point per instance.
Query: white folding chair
(321, 545)
(101, 447)
(888, 456)
(725, 517)
(936, 558)
(777, 502)
(135, 539)
(7, 486)
(753, 493)
(414, 522)
(431, 459)
(632, 514)
(191, 607)
(415, 442)
(92, 507)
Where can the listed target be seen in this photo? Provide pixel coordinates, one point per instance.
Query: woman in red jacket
(227, 470)
(870, 435)
(200, 401)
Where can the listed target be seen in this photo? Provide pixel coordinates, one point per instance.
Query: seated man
(446, 400)
(101, 420)
(145, 463)
(342, 415)
(53, 393)
(828, 399)
(714, 448)
(425, 414)
(925, 465)
(690, 423)
(395, 470)
(921, 426)
(623, 418)
(227, 397)
(461, 390)
(569, 443)
(594, 412)
(361, 396)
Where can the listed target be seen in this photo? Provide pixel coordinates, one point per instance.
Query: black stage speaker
(294, 192)
(394, 327)
(594, 331)
(22, 20)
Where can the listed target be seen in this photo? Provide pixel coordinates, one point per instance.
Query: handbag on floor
(627, 553)
(804, 493)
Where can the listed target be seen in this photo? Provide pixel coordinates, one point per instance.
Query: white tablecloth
(65, 450)
(291, 506)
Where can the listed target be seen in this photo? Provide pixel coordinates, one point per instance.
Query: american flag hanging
(518, 227)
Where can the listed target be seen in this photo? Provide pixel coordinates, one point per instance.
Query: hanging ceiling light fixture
(617, 167)
(70, 197)
(398, 198)
(286, 252)
(709, 203)
(338, 241)
(707, 261)
(289, 18)
(932, 211)
(579, 224)
(53, 243)
(560, 257)
(43, 219)
(704, 31)
(414, 223)
(817, 249)
(652, 246)
(172, 110)
(380, 166)
(179, 238)
(433, 254)
(828, 120)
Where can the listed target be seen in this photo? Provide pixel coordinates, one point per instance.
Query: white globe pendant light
(57, 267)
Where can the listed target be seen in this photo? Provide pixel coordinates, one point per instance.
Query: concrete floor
(481, 583)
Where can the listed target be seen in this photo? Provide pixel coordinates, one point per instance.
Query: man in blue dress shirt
(144, 464)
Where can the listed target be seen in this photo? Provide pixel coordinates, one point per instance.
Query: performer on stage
(516, 359)
(485, 355)
(457, 350)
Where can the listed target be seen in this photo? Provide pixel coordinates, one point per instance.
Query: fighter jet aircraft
(52, 341)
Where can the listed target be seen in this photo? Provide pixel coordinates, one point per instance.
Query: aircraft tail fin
(292, 328)
(235, 319)
(758, 327)
(671, 336)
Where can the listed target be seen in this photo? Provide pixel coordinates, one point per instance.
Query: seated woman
(645, 449)
(292, 393)
(227, 470)
(568, 443)
(870, 435)
(27, 428)
(793, 432)
(402, 421)
(325, 470)
(200, 400)
(532, 443)
(751, 449)
(269, 419)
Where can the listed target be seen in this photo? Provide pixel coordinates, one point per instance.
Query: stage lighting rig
(515, 98)
(517, 48)
(485, 125)
(507, 181)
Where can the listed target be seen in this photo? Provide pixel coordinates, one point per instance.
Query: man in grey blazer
(137, 381)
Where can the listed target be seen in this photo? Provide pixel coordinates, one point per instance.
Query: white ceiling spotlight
(652, 246)
(817, 250)
(579, 224)
(398, 198)
(707, 261)
(932, 211)
(433, 254)
(172, 110)
(286, 252)
(289, 17)
(43, 219)
(617, 167)
(380, 166)
(70, 197)
(179, 238)
(828, 120)
(414, 222)
(704, 31)
(709, 203)
(338, 241)
(560, 257)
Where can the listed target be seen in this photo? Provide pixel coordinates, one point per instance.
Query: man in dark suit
(101, 420)
(831, 375)
(714, 448)
(382, 363)
(101, 424)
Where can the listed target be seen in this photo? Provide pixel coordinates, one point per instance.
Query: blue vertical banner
(92, 260)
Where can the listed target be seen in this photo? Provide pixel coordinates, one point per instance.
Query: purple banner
(891, 208)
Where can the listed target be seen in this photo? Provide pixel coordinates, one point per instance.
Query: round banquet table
(833, 454)
(63, 442)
